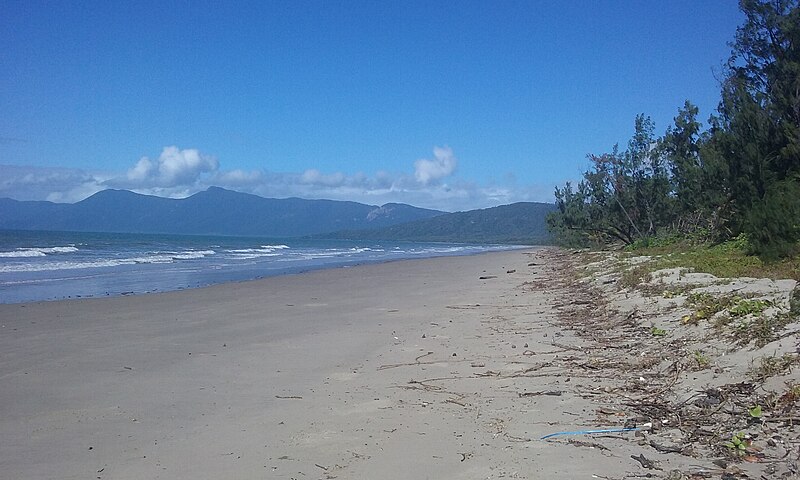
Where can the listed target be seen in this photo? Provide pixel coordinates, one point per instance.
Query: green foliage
(760, 126)
(656, 242)
(761, 328)
(623, 197)
(705, 306)
(741, 176)
(681, 147)
(738, 444)
(726, 259)
(701, 360)
(658, 332)
(755, 412)
(744, 307)
(774, 221)
(747, 319)
(794, 302)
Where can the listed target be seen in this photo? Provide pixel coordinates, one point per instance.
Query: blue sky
(442, 104)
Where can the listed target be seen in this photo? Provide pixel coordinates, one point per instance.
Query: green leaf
(658, 332)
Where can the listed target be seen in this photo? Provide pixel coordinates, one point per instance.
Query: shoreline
(207, 267)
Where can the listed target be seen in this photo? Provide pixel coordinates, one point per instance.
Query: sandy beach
(277, 378)
(445, 368)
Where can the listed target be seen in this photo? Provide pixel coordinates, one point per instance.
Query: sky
(452, 105)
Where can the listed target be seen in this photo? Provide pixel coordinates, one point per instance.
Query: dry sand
(447, 368)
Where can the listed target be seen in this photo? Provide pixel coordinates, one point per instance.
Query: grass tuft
(774, 365)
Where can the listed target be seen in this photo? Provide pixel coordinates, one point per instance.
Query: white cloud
(315, 177)
(54, 184)
(173, 168)
(443, 165)
(238, 178)
(179, 173)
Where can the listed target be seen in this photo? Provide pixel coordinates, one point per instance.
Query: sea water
(39, 265)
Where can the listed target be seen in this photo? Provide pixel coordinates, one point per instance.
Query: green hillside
(519, 223)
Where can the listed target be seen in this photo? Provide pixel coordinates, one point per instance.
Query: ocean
(40, 265)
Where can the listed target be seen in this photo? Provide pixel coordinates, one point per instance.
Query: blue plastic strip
(585, 432)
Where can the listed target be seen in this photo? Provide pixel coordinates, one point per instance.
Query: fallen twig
(553, 393)
(413, 364)
(646, 463)
(566, 347)
(422, 356)
(579, 443)
(665, 448)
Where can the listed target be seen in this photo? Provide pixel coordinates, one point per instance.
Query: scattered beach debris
(708, 361)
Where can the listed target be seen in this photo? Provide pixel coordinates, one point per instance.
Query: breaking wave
(159, 257)
(30, 252)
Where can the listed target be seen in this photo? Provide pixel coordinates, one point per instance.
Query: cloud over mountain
(178, 173)
(443, 165)
(173, 168)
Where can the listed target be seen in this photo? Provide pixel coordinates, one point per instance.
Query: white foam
(250, 256)
(365, 249)
(41, 267)
(192, 254)
(157, 258)
(36, 252)
(22, 254)
(263, 249)
(253, 253)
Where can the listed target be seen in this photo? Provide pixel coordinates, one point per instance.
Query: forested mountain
(522, 223)
(739, 176)
(214, 211)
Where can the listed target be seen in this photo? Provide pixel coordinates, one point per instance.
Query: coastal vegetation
(732, 187)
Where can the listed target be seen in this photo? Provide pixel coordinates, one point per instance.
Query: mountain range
(218, 211)
(523, 223)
